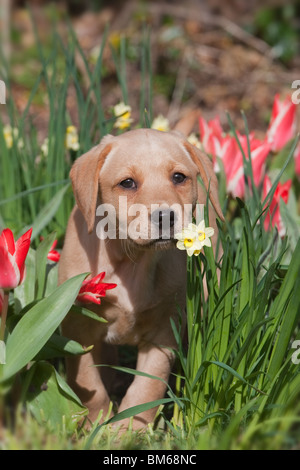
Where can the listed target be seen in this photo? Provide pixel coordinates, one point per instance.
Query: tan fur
(150, 278)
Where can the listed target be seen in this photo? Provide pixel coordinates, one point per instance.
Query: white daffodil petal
(209, 231)
(180, 245)
(190, 251)
(201, 226)
(192, 227)
(206, 242)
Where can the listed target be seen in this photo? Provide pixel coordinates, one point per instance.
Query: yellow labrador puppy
(131, 192)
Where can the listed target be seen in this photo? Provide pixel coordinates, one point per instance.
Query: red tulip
(1, 300)
(282, 125)
(53, 255)
(273, 217)
(93, 289)
(12, 258)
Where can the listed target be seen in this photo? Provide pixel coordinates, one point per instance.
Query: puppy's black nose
(164, 219)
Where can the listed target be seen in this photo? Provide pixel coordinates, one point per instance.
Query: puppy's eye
(178, 178)
(129, 183)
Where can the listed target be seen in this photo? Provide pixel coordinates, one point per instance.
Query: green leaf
(59, 346)
(24, 294)
(51, 400)
(291, 222)
(51, 278)
(48, 212)
(234, 425)
(37, 326)
(87, 313)
(289, 292)
(41, 263)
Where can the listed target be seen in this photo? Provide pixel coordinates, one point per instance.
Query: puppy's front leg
(154, 361)
(84, 378)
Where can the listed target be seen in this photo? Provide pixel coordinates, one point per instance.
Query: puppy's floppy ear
(207, 174)
(84, 176)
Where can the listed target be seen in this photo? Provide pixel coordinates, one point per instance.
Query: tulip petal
(9, 272)
(22, 247)
(92, 289)
(53, 256)
(88, 297)
(98, 278)
(282, 124)
(1, 300)
(273, 217)
(7, 240)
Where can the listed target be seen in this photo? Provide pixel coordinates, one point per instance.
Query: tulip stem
(4, 314)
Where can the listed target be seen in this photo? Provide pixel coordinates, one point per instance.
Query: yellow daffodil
(188, 240)
(192, 139)
(71, 140)
(161, 123)
(7, 132)
(115, 39)
(123, 113)
(194, 237)
(11, 135)
(204, 233)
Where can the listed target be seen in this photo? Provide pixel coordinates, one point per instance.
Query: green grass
(236, 384)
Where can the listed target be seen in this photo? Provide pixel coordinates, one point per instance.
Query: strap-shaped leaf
(37, 325)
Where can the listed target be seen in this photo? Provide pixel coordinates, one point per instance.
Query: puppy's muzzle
(162, 224)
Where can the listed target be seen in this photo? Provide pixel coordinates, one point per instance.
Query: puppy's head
(147, 180)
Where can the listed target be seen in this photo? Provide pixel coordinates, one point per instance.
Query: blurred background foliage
(279, 27)
(213, 55)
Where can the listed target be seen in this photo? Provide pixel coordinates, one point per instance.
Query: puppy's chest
(140, 303)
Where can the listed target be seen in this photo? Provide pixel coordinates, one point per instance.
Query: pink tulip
(210, 134)
(282, 125)
(234, 164)
(12, 258)
(93, 289)
(216, 143)
(226, 148)
(273, 217)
